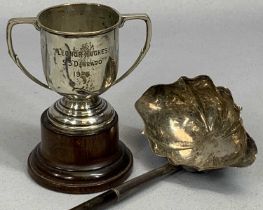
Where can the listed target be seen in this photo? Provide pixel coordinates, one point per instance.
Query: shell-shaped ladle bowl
(195, 125)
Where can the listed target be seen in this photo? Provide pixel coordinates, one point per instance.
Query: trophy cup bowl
(80, 151)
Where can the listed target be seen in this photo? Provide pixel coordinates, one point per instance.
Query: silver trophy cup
(79, 46)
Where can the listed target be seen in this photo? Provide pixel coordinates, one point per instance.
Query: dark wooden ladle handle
(121, 191)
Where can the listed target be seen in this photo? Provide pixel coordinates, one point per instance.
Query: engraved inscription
(83, 57)
(84, 65)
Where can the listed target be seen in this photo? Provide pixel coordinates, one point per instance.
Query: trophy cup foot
(79, 163)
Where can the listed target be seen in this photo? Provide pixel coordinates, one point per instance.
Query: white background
(223, 39)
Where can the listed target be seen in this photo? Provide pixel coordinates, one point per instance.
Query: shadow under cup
(75, 18)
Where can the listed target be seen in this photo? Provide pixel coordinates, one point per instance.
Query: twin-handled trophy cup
(80, 151)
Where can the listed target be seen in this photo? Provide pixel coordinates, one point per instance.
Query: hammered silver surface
(195, 124)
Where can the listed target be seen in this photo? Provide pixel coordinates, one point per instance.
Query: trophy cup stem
(78, 115)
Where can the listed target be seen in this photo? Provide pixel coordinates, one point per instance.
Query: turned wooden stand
(74, 163)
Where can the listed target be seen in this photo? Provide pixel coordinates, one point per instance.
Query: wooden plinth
(73, 163)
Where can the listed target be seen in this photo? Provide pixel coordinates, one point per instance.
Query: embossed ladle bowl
(195, 125)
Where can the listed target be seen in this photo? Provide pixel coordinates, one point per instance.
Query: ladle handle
(121, 191)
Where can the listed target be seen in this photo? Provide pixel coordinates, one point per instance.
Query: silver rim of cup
(44, 26)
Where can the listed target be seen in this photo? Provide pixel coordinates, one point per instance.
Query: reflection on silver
(79, 46)
(81, 115)
(80, 66)
(195, 124)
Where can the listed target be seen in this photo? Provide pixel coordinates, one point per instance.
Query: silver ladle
(195, 125)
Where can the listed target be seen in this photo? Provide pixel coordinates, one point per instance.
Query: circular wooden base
(82, 181)
(79, 163)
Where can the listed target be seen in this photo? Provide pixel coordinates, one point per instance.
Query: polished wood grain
(79, 163)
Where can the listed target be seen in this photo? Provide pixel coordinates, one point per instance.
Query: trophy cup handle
(144, 50)
(11, 23)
